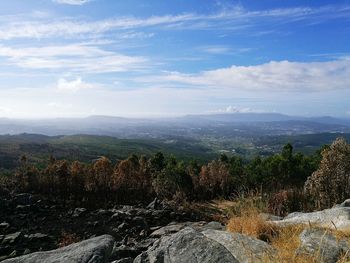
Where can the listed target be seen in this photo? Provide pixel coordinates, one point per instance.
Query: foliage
(330, 184)
(139, 178)
(284, 202)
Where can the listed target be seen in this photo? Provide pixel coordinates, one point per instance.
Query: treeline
(141, 178)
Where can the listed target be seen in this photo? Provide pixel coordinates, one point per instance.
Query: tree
(100, 178)
(77, 182)
(171, 179)
(215, 179)
(330, 184)
(27, 176)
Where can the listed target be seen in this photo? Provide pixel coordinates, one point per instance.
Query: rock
(4, 225)
(176, 227)
(79, 211)
(11, 238)
(37, 236)
(26, 251)
(23, 199)
(124, 251)
(168, 230)
(120, 215)
(269, 217)
(94, 250)
(140, 223)
(144, 244)
(191, 245)
(155, 204)
(124, 260)
(242, 247)
(323, 245)
(122, 227)
(214, 225)
(336, 218)
(346, 203)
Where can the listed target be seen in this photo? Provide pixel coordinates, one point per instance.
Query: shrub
(287, 201)
(330, 184)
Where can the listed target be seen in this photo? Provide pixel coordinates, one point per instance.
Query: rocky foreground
(31, 232)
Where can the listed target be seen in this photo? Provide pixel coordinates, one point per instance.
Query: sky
(75, 58)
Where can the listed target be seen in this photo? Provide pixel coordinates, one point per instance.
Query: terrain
(219, 183)
(200, 137)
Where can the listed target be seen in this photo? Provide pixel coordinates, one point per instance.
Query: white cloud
(72, 86)
(72, 2)
(235, 109)
(215, 49)
(275, 76)
(234, 18)
(219, 49)
(73, 57)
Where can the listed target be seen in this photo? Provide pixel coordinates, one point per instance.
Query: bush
(287, 201)
(330, 184)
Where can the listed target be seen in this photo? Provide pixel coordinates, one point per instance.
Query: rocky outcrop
(29, 224)
(191, 245)
(94, 250)
(322, 245)
(334, 218)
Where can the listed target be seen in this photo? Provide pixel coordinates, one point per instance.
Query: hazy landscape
(174, 132)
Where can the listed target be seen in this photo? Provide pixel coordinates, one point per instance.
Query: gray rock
(167, 230)
(323, 245)
(11, 238)
(94, 250)
(176, 227)
(144, 244)
(124, 260)
(346, 203)
(4, 225)
(124, 251)
(79, 211)
(23, 199)
(270, 217)
(335, 218)
(191, 245)
(242, 247)
(37, 236)
(155, 204)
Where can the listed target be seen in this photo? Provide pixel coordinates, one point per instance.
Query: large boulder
(94, 250)
(322, 245)
(175, 227)
(336, 218)
(206, 246)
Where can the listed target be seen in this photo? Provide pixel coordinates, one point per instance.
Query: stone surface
(322, 245)
(176, 227)
(79, 211)
(346, 203)
(94, 250)
(270, 217)
(191, 245)
(11, 238)
(335, 218)
(242, 247)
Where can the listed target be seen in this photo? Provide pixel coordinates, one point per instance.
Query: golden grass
(253, 226)
(246, 220)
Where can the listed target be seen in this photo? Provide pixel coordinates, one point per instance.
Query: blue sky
(72, 58)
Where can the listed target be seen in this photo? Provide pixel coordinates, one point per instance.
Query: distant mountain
(218, 125)
(242, 117)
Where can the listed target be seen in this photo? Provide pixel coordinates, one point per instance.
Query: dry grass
(246, 220)
(252, 225)
(287, 242)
